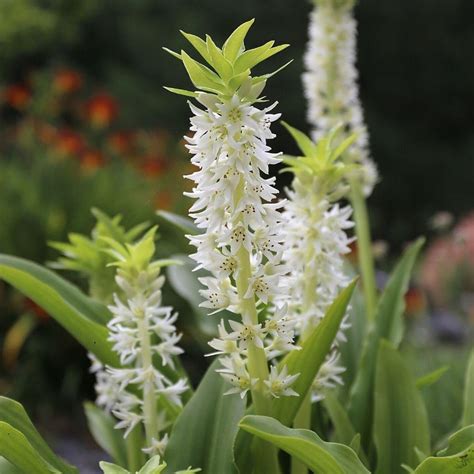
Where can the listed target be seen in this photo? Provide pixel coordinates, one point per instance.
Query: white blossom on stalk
(140, 328)
(241, 240)
(330, 82)
(316, 241)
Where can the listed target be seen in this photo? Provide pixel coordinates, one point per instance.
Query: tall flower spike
(330, 82)
(316, 240)
(141, 328)
(241, 243)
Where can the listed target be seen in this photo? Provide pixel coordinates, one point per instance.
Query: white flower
(328, 376)
(278, 384)
(157, 446)
(330, 83)
(241, 228)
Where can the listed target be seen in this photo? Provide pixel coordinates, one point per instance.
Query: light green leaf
(388, 325)
(73, 310)
(14, 415)
(153, 466)
(343, 430)
(8, 468)
(235, 42)
(109, 468)
(184, 224)
(468, 410)
(251, 57)
(18, 451)
(458, 458)
(218, 61)
(310, 357)
(204, 433)
(400, 418)
(101, 426)
(307, 446)
(199, 44)
(305, 144)
(184, 92)
(201, 76)
(432, 377)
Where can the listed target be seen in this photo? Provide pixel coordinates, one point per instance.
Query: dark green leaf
(307, 446)
(74, 311)
(400, 418)
(203, 435)
(468, 411)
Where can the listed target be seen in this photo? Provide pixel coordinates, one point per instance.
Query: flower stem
(133, 448)
(149, 396)
(364, 246)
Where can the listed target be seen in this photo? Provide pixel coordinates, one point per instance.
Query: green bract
(230, 66)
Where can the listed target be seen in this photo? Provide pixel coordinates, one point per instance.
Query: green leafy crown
(230, 66)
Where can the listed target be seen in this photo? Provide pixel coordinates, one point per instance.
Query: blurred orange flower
(67, 80)
(37, 310)
(17, 96)
(91, 160)
(153, 167)
(415, 301)
(121, 142)
(69, 143)
(164, 200)
(101, 110)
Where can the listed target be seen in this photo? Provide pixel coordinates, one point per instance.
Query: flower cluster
(316, 241)
(140, 329)
(330, 82)
(241, 241)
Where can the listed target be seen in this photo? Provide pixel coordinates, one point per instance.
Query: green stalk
(133, 448)
(149, 395)
(364, 247)
(265, 455)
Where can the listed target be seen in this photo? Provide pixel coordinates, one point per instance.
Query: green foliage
(22, 445)
(388, 325)
(400, 418)
(231, 65)
(306, 445)
(457, 458)
(309, 358)
(468, 412)
(101, 426)
(204, 433)
(89, 256)
(153, 466)
(79, 315)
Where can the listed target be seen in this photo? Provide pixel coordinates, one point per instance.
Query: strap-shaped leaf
(310, 357)
(199, 44)
(13, 414)
(432, 377)
(307, 446)
(203, 435)
(251, 57)
(200, 75)
(73, 310)
(17, 450)
(468, 410)
(235, 42)
(400, 418)
(388, 325)
(305, 144)
(101, 426)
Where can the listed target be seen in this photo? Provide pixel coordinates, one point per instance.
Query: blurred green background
(84, 122)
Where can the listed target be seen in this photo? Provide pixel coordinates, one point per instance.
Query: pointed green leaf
(251, 57)
(17, 450)
(184, 224)
(109, 468)
(199, 44)
(218, 61)
(458, 458)
(101, 426)
(153, 466)
(77, 313)
(200, 75)
(235, 42)
(204, 433)
(400, 418)
(13, 414)
(310, 357)
(184, 92)
(343, 430)
(468, 411)
(388, 325)
(432, 377)
(173, 53)
(307, 446)
(305, 144)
